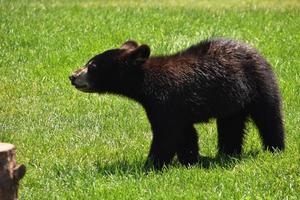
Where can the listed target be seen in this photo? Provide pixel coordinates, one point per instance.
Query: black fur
(219, 78)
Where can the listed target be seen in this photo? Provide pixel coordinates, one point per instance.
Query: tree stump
(10, 172)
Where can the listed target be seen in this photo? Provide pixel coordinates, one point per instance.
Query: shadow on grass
(223, 161)
(134, 168)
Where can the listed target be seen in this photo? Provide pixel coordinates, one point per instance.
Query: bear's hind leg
(187, 147)
(268, 119)
(231, 134)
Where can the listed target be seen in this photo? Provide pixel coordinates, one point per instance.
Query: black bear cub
(218, 78)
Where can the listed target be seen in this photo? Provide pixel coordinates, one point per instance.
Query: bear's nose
(72, 78)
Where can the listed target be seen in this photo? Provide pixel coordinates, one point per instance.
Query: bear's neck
(135, 85)
(131, 85)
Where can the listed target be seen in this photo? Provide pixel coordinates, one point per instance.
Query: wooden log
(10, 172)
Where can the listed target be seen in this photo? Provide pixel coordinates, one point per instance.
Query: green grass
(85, 146)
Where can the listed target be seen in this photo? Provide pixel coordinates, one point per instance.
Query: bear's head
(108, 71)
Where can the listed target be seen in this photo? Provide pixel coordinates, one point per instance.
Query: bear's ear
(130, 45)
(139, 55)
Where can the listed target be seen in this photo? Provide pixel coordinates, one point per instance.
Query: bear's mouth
(83, 88)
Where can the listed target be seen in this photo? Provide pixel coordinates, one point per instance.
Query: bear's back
(213, 78)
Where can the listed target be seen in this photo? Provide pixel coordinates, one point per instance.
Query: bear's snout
(72, 79)
(79, 80)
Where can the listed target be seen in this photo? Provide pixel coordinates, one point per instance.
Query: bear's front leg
(161, 152)
(187, 148)
(164, 144)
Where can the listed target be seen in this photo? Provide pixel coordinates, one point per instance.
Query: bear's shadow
(125, 167)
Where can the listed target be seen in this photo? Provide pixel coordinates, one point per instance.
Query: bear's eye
(91, 66)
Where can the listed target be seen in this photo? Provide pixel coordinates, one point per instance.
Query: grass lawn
(86, 146)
